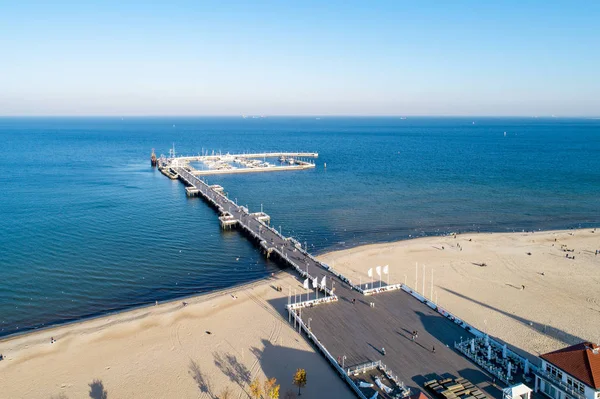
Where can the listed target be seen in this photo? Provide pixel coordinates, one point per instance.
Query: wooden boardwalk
(359, 332)
(352, 328)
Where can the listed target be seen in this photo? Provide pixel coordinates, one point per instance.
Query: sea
(88, 227)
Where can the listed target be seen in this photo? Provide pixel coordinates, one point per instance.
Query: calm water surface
(88, 227)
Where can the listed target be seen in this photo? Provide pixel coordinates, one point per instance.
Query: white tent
(519, 391)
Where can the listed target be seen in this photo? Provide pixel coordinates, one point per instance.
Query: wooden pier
(351, 325)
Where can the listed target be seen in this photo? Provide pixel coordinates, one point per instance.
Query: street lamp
(309, 319)
(343, 361)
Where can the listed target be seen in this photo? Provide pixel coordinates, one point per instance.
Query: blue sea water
(88, 227)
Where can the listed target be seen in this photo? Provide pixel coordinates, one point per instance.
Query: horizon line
(265, 116)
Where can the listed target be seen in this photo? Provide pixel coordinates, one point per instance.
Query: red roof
(582, 361)
(419, 395)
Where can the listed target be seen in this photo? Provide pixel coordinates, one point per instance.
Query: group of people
(415, 335)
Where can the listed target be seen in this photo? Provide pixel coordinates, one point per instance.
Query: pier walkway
(271, 241)
(357, 326)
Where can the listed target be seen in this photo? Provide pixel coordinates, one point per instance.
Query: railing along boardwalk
(272, 242)
(353, 328)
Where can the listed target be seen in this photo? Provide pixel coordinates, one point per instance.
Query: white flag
(386, 269)
(370, 272)
(378, 270)
(323, 283)
(306, 283)
(315, 283)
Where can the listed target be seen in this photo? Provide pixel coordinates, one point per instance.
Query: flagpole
(423, 281)
(431, 295)
(416, 275)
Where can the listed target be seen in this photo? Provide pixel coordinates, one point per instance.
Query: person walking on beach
(433, 349)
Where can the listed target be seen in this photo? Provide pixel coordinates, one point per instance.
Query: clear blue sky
(300, 58)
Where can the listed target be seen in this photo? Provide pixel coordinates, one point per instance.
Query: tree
(300, 379)
(256, 389)
(268, 384)
(273, 391)
(271, 388)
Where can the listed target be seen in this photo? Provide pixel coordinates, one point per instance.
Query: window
(550, 390)
(575, 385)
(556, 373)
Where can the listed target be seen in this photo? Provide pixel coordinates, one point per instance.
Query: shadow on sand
(97, 390)
(203, 384)
(553, 332)
(233, 369)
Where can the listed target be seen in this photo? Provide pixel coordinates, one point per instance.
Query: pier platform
(349, 324)
(238, 163)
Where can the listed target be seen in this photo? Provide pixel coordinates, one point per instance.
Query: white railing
(468, 327)
(327, 355)
(311, 303)
(404, 390)
(561, 384)
(362, 368)
(386, 288)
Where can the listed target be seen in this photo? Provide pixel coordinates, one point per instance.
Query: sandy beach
(217, 341)
(480, 278)
(536, 291)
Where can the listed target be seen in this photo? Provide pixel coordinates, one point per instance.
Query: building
(570, 373)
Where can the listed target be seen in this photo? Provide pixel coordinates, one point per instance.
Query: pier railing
(385, 288)
(363, 367)
(312, 302)
(468, 327)
(325, 352)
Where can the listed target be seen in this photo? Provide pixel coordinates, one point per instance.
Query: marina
(351, 326)
(234, 163)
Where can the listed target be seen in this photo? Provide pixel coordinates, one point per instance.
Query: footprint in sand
(593, 301)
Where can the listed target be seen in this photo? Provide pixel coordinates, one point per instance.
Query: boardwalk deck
(352, 328)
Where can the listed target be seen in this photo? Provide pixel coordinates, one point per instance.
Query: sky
(513, 58)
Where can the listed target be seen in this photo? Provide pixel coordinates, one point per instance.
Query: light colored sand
(165, 352)
(566, 298)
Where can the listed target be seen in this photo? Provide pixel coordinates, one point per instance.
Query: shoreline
(318, 254)
(195, 298)
(217, 341)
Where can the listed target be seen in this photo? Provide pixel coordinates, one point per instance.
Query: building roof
(419, 395)
(582, 361)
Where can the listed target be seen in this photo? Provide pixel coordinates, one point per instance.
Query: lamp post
(343, 361)
(309, 319)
